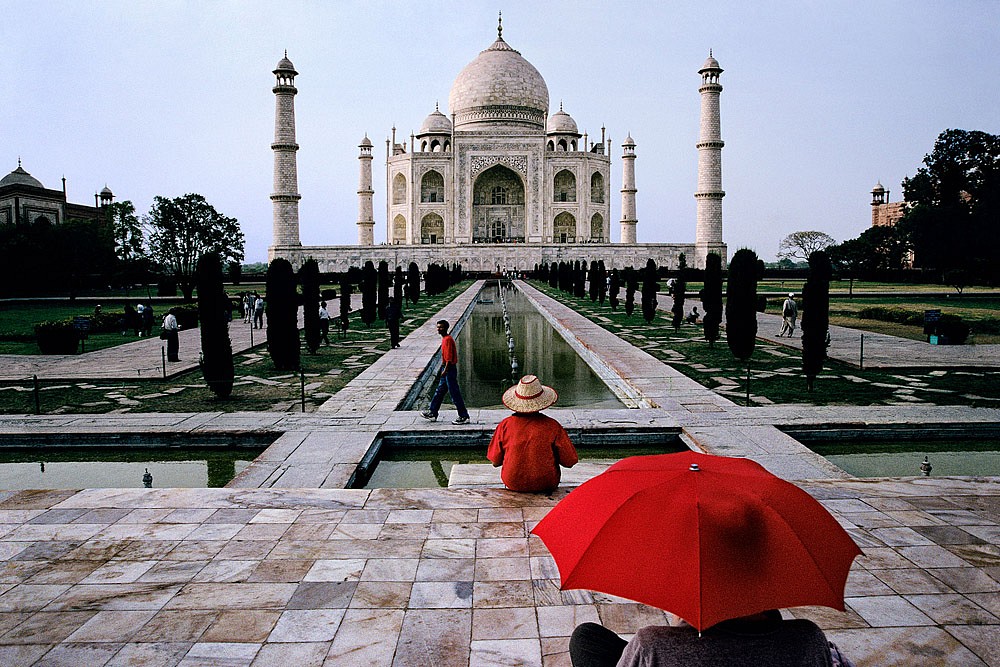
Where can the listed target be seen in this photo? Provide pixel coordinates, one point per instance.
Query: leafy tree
(680, 287)
(126, 230)
(183, 229)
(413, 282)
(369, 280)
(235, 272)
(815, 316)
(282, 316)
(309, 279)
(650, 287)
(214, 313)
(955, 203)
(741, 307)
(614, 288)
(875, 249)
(711, 297)
(800, 245)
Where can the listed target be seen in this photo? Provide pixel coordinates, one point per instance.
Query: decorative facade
(497, 183)
(24, 200)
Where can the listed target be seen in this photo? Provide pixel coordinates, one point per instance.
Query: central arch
(498, 210)
(432, 229)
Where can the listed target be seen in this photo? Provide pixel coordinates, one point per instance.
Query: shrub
(953, 330)
(57, 337)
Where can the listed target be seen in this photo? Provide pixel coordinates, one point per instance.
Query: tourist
(758, 639)
(789, 313)
(170, 329)
(693, 316)
(258, 312)
(130, 320)
(392, 317)
(324, 323)
(147, 319)
(449, 379)
(529, 445)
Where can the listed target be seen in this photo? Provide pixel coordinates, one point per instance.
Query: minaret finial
(436, 106)
(560, 105)
(286, 53)
(500, 26)
(710, 52)
(18, 161)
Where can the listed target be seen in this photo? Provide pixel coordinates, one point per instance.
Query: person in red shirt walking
(529, 445)
(449, 379)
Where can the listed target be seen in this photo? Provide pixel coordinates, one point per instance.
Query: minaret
(366, 221)
(628, 191)
(285, 197)
(880, 196)
(708, 234)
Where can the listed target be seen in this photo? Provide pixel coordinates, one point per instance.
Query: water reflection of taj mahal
(499, 181)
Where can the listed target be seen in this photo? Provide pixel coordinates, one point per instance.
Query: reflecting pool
(484, 365)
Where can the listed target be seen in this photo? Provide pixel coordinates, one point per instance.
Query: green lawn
(258, 386)
(776, 375)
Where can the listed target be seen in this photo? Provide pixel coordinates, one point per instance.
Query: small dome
(20, 177)
(499, 87)
(107, 191)
(435, 123)
(561, 123)
(878, 187)
(285, 65)
(628, 140)
(710, 64)
(366, 142)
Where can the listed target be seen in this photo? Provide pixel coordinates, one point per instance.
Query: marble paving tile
(947, 609)
(138, 549)
(280, 571)
(503, 594)
(347, 569)
(307, 625)
(404, 531)
(434, 637)
(628, 618)
(449, 548)
(30, 597)
(441, 595)
(118, 572)
(509, 547)
(322, 595)
(888, 610)
(863, 582)
(898, 647)
(269, 515)
(555, 652)
(505, 652)
(303, 654)
(900, 536)
(966, 579)
(912, 581)
(390, 569)
(502, 569)
(981, 639)
(226, 571)
(978, 555)
(988, 601)
(74, 655)
(446, 569)
(356, 531)
(110, 626)
(153, 654)
(46, 627)
(246, 550)
(828, 618)
(262, 531)
(366, 637)
(409, 516)
(516, 623)
(382, 595)
(23, 654)
(560, 621)
(175, 626)
(212, 654)
(232, 596)
(241, 625)
(232, 515)
(931, 557)
(65, 572)
(135, 597)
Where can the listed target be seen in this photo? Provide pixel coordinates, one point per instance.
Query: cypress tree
(614, 288)
(554, 275)
(593, 288)
(815, 315)
(680, 288)
(602, 281)
(650, 287)
(741, 307)
(711, 297)
(580, 278)
(383, 288)
(309, 279)
(214, 314)
(398, 280)
(369, 279)
(631, 285)
(413, 282)
(345, 302)
(282, 316)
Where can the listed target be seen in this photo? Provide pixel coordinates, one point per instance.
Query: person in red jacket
(529, 445)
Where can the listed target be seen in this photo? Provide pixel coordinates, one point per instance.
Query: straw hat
(529, 395)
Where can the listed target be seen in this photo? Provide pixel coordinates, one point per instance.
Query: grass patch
(258, 386)
(776, 375)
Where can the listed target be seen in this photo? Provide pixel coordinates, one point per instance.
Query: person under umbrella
(529, 445)
(710, 539)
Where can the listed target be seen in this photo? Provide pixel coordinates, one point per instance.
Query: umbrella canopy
(706, 537)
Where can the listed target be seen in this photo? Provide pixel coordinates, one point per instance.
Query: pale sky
(820, 99)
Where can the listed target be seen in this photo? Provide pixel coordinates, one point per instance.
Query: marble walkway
(287, 566)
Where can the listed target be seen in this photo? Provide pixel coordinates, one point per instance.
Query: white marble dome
(499, 87)
(561, 123)
(435, 123)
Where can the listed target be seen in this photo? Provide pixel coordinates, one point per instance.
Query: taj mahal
(498, 181)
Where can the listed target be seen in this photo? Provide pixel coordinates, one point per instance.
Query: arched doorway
(564, 228)
(399, 189)
(398, 229)
(432, 229)
(498, 209)
(597, 228)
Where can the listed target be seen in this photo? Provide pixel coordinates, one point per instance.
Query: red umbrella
(706, 537)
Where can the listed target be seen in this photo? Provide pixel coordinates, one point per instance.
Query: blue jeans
(449, 383)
